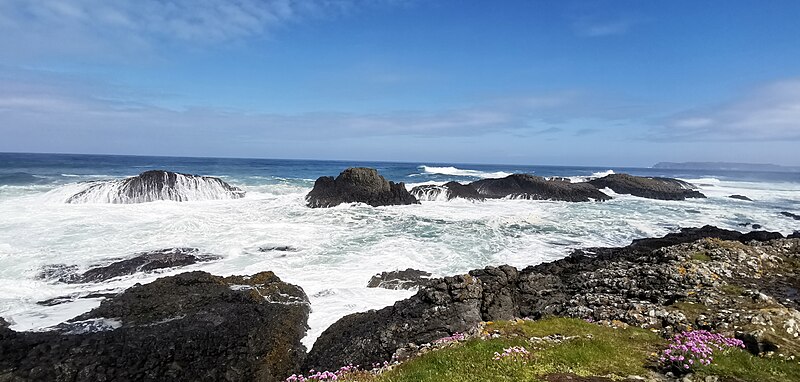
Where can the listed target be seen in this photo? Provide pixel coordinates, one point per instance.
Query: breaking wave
(453, 171)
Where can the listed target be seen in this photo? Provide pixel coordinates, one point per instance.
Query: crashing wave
(453, 171)
(431, 193)
(155, 185)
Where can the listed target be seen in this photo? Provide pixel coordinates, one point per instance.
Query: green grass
(700, 256)
(732, 289)
(742, 365)
(616, 353)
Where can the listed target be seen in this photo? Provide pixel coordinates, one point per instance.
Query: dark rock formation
(279, 248)
(756, 226)
(651, 188)
(407, 279)
(637, 284)
(740, 197)
(452, 190)
(794, 235)
(142, 262)
(358, 185)
(790, 215)
(525, 186)
(157, 185)
(189, 327)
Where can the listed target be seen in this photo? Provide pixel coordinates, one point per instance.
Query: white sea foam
(595, 175)
(337, 249)
(453, 171)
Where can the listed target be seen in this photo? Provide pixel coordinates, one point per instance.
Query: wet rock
(407, 279)
(740, 197)
(155, 185)
(450, 305)
(525, 186)
(794, 235)
(279, 248)
(756, 226)
(3, 324)
(358, 185)
(790, 215)
(142, 262)
(188, 327)
(760, 236)
(449, 191)
(651, 188)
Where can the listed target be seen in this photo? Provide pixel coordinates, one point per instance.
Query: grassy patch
(597, 351)
(731, 289)
(742, 365)
(700, 256)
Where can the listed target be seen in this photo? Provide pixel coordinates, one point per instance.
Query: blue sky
(607, 83)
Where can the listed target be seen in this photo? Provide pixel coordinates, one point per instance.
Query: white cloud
(771, 112)
(44, 27)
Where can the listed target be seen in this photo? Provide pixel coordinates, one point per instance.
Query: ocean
(337, 249)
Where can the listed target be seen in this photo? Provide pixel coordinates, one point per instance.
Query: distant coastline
(725, 166)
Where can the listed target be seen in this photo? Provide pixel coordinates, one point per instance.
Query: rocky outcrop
(648, 283)
(358, 185)
(142, 262)
(790, 215)
(407, 279)
(651, 188)
(188, 327)
(525, 186)
(156, 185)
(740, 197)
(447, 191)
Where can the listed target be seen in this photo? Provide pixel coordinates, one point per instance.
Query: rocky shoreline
(195, 326)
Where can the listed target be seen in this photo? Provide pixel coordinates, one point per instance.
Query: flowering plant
(688, 350)
(454, 338)
(314, 375)
(514, 353)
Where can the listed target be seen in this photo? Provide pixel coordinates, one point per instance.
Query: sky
(604, 83)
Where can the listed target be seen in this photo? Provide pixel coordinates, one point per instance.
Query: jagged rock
(651, 188)
(155, 185)
(142, 262)
(188, 327)
(279, 248)
(449, 191)
(358, 185)
(525, 186)
(740, 197)
(407, 279)
(794, 235)
(637, 285)
(790, 215)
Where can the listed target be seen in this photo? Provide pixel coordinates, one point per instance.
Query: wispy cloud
(96, 26)
(71, 112)
(771, 112)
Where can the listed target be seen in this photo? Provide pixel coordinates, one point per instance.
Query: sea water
(336, 250)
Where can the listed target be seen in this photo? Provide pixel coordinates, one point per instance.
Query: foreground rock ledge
(358, 185)
(741, 284)
(188, 327)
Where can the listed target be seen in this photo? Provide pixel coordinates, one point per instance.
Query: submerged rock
(188, 327)
(790, 215)
(358, 185)
(142, 262)
(525, 186)
(447, 191)
(155, 185)
(407, 279)
(740, 197)
(651, 188)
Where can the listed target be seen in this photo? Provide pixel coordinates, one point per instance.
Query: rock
(279, 248)
(358, 185)
(651, 188)
(756, 226)
(636, 285)
(740, 197)
(450, 305)
(448, 191)
(525, 186)
(3, 324)
(155, 185)
(142, 262)
(188, 327)
(794, 235)
(790, 215)
(407, 279)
